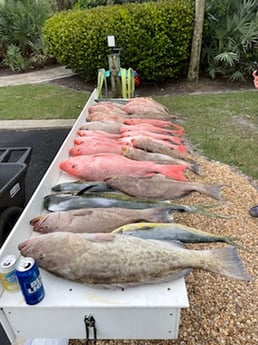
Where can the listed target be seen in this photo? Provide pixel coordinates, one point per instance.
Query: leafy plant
(230, 37)
(21, 24)
(155, 38)
(14, 59)
(94, 3)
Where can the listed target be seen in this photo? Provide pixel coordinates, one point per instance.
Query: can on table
(30, 282)
(7, 273)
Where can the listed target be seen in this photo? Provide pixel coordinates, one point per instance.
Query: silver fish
(97, 219)
(109, 260)
(81, 186)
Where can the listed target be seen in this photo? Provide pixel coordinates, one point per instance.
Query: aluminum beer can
(30, 282)
(7, 273)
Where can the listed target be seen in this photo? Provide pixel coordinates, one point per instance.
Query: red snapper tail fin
(173, 171)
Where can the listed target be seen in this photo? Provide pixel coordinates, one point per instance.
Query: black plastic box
(15, 154)
(12, 184)
(13, 167)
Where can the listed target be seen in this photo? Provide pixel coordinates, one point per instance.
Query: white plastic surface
(147, 312)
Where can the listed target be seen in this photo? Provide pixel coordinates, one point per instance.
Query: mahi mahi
(87, 199)
(173, 232)
(80, 186)
(113, 260)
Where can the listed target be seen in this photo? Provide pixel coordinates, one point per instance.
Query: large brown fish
(159, 187)
(109, 260)
(97, 219)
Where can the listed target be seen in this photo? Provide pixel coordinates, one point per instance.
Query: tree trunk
(194, 65)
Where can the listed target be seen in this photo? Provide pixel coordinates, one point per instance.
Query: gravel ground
(222, 310)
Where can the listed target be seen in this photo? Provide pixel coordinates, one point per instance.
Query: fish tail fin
(173, 171)
(161, 215)
(227, 262)
(195, 168)
(212, 190)
(179, 148)
(176, 140)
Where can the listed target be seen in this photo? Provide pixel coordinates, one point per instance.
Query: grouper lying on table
(112, 261)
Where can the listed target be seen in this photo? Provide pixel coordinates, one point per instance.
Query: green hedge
(155, 38)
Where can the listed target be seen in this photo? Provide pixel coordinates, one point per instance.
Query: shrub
(230, 37)
(155, 38)
(21, 24)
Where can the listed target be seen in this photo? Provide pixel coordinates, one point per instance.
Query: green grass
(40, 102)
(223, 127)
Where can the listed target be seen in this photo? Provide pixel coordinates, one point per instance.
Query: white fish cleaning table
(145, 312)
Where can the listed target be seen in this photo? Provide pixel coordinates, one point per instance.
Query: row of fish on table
(113, 226)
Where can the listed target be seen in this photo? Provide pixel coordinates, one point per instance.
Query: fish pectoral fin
(86, 189)
(99, 237)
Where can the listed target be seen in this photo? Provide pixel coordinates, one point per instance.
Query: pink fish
(100, 166)
(172, 139)
(154, 122)
(88, 140)
(97, 133)
(150, 128)
(107, 126)
(107, 106)
(96, 147)
(105, 115)
(148, 101)
(93, 139)
(162, 125)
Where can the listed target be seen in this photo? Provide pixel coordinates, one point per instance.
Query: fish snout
(37, 224)
(36, 220)
(24, 248)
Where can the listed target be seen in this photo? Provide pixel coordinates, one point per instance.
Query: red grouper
(98, 167)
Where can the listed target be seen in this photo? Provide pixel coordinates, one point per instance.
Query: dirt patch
(204, 85)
